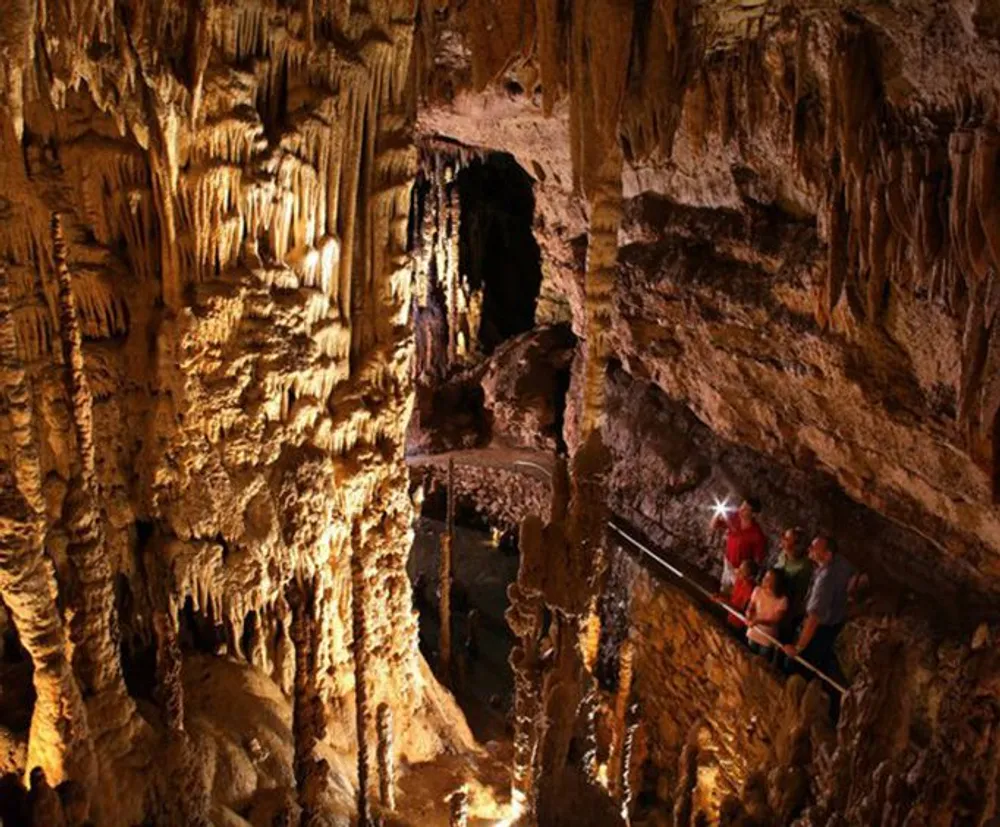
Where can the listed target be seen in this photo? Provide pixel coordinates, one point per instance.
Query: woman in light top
(767, 608)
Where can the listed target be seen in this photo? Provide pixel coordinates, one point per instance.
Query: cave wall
(805, 268)
(698, 685)
(731, 738)
(805, 256)
(233, 183)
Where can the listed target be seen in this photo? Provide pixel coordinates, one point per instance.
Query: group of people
(799, 603)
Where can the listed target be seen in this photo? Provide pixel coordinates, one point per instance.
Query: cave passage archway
(497, 249)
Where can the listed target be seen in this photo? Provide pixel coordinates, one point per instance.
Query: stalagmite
(445, 580)
(616, 762)
(524, 617)
(169, 686)
(362, 655)
(111, 711)
(628, 768)
(185, 801)
(308, 713)
(458, 808)
(386, 758)
(59, 741)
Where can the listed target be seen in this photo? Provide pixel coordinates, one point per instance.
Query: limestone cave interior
(371, 372)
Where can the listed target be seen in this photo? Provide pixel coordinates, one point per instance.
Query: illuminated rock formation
(231, 248)
(60, 740)
(231, 290)
(386, 758)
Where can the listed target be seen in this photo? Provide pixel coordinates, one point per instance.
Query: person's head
(774, 582)
(748, 570)
(37, 778)
(791, 543)
(822, 549)
(749, 509)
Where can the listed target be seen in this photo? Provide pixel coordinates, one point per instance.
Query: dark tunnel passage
(498, 252)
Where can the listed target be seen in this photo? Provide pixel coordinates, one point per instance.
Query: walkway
(539, 465)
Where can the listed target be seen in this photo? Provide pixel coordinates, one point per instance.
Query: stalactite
(986, 177)
(59, 739)
(549, 34)
(360, 647)
(386, 758)
(599, 69)
(453, 277)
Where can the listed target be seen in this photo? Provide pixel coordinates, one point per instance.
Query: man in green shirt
(798, 571)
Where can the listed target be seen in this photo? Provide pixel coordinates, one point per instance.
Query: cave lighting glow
(722, 508)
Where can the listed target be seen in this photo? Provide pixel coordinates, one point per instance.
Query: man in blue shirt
(826, 607)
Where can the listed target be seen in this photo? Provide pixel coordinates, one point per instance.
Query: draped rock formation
(234, 269)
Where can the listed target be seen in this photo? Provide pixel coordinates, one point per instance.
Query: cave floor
(424, 789)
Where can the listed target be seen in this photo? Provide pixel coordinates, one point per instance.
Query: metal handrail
(679, 574)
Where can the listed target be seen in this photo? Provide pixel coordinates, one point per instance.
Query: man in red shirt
(745, 540)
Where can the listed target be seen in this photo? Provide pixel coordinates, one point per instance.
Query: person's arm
(779, 613)
(806, 634)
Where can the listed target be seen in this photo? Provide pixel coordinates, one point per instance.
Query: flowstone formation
(206, 382)
(240, 243)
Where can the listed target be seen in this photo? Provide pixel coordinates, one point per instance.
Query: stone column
(360, 649)
(91, 602)
(59, 740)
(386, 758)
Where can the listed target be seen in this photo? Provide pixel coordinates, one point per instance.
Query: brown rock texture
(228, 277)
(803, 256)
(206, 365)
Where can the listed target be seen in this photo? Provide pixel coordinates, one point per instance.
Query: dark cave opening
(497, 248)
(199, 630)
(136, 646)
(17, 691)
